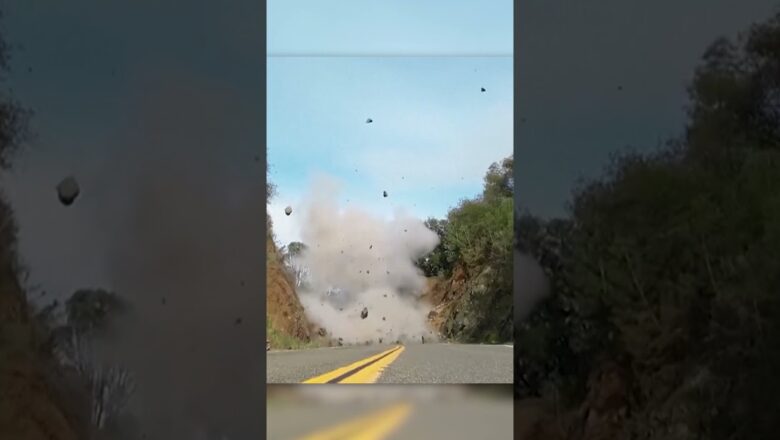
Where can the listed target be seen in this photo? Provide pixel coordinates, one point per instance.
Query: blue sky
(434, 133)
(415, 69)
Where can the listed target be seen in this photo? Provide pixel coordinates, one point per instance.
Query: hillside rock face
(472, 308)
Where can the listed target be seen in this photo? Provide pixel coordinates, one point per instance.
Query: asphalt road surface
(402, 420)
(438, 363)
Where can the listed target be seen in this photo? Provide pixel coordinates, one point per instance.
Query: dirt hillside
(284, 310)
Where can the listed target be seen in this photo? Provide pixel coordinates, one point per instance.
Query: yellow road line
(363, 371)
(375, 426)
(371, 373)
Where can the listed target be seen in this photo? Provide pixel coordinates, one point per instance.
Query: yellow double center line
(375, 426)
(362, 371)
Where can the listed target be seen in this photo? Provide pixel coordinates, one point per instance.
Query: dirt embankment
(284, 311)
(33, 402)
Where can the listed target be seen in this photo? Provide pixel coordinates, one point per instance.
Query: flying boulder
(364, 313)
(288, 210)
(384, 193)
(68, 190)
(369, 120)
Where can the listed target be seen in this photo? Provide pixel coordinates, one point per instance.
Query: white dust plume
(362, 283)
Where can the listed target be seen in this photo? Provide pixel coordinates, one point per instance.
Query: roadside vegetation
(472, 265)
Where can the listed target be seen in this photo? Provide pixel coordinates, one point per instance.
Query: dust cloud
(186, 228)
(531, 285)
(359, 261)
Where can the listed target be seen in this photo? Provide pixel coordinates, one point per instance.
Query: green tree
(436, 262)
(477, 238)
(499, 180)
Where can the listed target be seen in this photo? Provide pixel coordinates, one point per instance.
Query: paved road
(416, 363)
(403, 420)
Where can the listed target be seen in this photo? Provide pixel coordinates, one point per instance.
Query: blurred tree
(672, 260)
(92, 309)
(296, 249)
(89, 315)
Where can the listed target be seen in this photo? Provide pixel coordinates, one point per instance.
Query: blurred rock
(68, 190)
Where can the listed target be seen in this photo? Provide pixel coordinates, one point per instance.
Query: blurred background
(390, 412)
